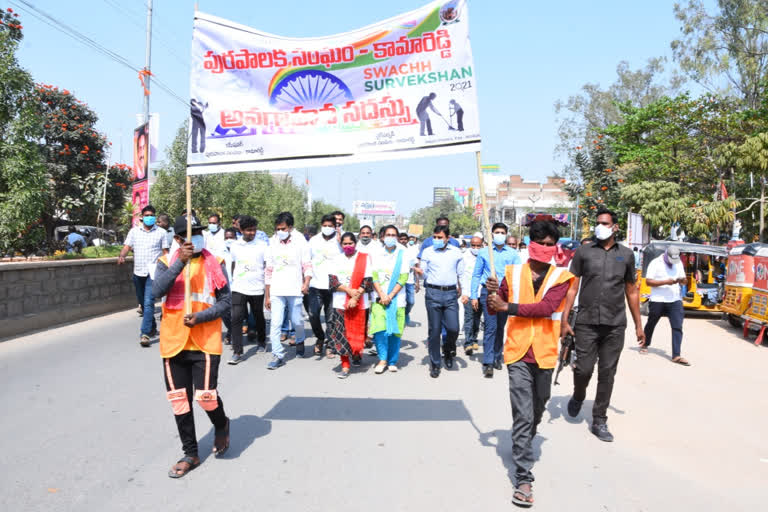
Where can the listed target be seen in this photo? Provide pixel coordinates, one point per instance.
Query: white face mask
(228, 242)
(283, 235)
(603, 232)
(499, 238)
(199, 242)
(328, 230)
(390, 241)
(474, 251)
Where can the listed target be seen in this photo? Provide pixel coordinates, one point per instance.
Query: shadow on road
(243, 431)
(297, 408)
(503, 444)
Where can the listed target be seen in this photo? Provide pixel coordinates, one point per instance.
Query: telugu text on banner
(401, 88)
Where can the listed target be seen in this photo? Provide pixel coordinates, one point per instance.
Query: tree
(725, 51)
(462, 219)
(751, 157)
(588, 113)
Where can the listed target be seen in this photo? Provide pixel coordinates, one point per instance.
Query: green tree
(462, 219)
(596, 183)
(726, 50)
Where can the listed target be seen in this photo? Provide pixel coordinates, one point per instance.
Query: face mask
(199, 242)
(328, 230)
(541, 253)
(603, 232)
(149, 220)
(283, 235)
(411, 242)
(229, 243)
(438, 244)
(390, 241)
(499, 238)
(213, 228)
(365, 240)
(474, 251)
(349, 250)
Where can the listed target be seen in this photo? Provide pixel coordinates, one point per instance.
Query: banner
(374, 208)
(400, 88)
(154, 137)
(141, 152)
(139, 199)
(638, 233)
(416, 229)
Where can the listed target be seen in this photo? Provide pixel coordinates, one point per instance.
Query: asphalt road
(86, 426)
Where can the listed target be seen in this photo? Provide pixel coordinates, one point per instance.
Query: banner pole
(187, 275)
(488, 234)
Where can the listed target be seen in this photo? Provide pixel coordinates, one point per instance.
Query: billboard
(371, 208)
(139, 198)
(400, 88)
(154, 136)
(141, 152)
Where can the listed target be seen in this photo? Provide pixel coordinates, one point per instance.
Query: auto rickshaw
(739, 280)
(755, 316)
(704, 289)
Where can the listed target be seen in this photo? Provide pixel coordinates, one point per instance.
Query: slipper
(643, 350)
(191, 463)
(221, 441)
(524, 502)
(681, 361)
(318, 349)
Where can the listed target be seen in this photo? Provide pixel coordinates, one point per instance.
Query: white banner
(638, 233)
(401, 88)
(374, 207)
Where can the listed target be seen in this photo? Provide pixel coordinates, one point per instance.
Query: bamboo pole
(187, 275)
(488, 234)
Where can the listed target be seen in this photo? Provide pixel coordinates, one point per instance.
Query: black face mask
(365, 240)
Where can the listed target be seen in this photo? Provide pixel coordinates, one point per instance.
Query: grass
(108, 251)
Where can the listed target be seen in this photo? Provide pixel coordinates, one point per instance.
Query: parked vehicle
(739, 280)
(755, 315)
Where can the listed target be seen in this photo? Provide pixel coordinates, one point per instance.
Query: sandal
(526, 502)
(221, 441)
(343, 374)
(644, 350)
(681, 361)
(184, 465)
(318, 349)
(329, 353)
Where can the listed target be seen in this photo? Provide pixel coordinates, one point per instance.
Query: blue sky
(527, 55)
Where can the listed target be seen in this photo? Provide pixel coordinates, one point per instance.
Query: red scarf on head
(354, 318)
(175, 297)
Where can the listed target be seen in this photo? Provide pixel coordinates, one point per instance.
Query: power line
(87, 41)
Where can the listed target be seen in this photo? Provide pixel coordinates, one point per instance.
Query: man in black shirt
(605, 275)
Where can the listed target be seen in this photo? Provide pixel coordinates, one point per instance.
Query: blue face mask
(213, 228)
(438, 244)
(499, 238)
(390, 241)
(149, 220)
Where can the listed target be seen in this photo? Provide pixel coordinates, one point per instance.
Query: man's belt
(441, 288)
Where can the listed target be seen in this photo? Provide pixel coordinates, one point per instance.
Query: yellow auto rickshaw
(739, 280)
(756, 313)
(704, 289)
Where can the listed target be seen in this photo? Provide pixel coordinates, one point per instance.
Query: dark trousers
(460, 120)
(143, 286)
(198, 129)
(672, 310)
(602, 344)
(529, 390)
(239, 313)
(493, 335)
(471, 324)
(319, 300)
(188, 374)
(442, 311)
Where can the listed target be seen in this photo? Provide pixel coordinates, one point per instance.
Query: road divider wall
(40, 294)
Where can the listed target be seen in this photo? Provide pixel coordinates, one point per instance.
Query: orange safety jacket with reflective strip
(541, 333)
(174, 335)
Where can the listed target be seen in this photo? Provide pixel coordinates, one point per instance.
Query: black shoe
(448, 361)
(498, 364)
(434, 371)
(300, 349)
(601, 432)
(574, 407)
(488, 371)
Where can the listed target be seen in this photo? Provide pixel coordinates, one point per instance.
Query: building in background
(513, 197)
(440, 194)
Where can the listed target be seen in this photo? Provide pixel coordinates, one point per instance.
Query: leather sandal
(184, 465)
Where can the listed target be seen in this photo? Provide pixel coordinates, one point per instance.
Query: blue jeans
(493, 337)
(672, 310)
(442, 313)
(283, 308)
(388, 347)
(285, 327)
(471, 324)
(410, 300)
(143, 287)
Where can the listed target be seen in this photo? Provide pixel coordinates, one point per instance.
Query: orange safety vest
(541, 333)
(174, 335)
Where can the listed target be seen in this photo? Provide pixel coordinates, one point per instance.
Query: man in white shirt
(249, 257)
(289, 270)
(324, 247)
(214, 236)
(664, 275)
(367, 244)
(472, 313)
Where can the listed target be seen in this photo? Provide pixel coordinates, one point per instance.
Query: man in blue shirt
(441, 266)
(74, 237)
(493, 336)
(441, 221)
